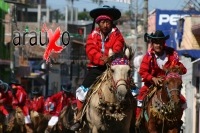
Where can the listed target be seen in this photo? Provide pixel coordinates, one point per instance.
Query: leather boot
(76, 126)
(28, 128)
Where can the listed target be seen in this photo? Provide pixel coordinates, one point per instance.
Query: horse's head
(173, 83)
(120, 73)
(69, 114)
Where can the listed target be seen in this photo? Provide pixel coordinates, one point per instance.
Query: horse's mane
(173, 69)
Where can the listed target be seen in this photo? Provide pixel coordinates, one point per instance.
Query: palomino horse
(109, 104)
(162, 111)
(39, 120)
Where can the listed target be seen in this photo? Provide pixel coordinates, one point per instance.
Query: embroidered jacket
(61, 100)
(37, 104)
(96, 47)
(149, 67)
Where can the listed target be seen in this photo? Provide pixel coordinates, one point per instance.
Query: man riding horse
(19, 100)
(37, 104)
(5, 99)
(106, 36)
(151, 68)
(61, 99)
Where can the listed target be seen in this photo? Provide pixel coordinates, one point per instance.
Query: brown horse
(162, 111)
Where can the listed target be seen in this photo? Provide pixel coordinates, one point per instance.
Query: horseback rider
(49, 106)
(100, 40)
(5, 96)
(156, 58)
(62, 100)
(19, 100)
(37, 104)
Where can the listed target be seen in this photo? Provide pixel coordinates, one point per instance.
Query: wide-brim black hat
(4, 86)
(158, 35)
(14, 83)
(67, 89)
(146, 37)
(36, 91)
(106, 10)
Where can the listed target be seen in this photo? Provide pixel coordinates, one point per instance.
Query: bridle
(120, 61)
(115, 84)
(172, 75)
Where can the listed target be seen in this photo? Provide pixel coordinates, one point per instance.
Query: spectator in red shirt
(61, 99)
(103, 38)
(151, 67)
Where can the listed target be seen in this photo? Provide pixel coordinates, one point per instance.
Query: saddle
(93, 89)
(148, 96)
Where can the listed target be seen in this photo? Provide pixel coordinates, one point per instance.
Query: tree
(61, 16)
(84, 16)
(128, 13)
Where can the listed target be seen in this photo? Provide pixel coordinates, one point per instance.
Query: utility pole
(131, 20)
(136, 31)
(136, 74)
(11, 45)
(39, 16)
(66, 18)
(145, 23)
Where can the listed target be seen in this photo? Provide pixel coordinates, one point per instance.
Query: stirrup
(74, 128)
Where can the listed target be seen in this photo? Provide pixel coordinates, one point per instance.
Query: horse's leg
(1, 128)
(41, 128)
(151, 126)
(175, 130)
(94, 129)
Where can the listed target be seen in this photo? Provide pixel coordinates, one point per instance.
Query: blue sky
(89, 5)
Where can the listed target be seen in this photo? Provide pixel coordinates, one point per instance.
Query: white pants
(27, 119)
(81, 94)
(53, 121)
